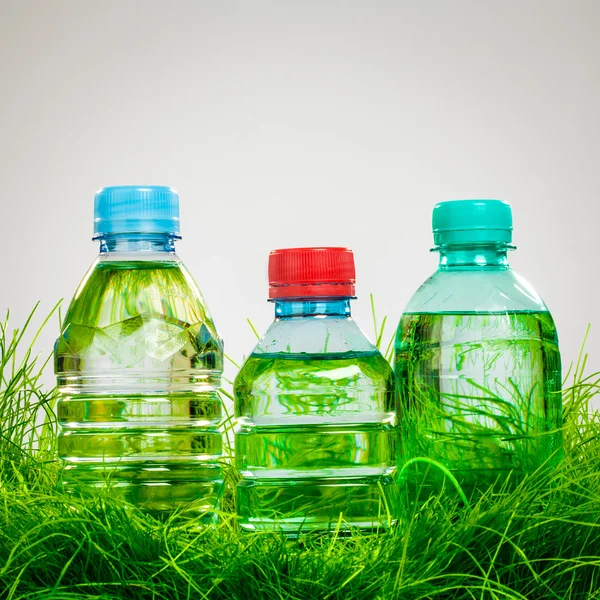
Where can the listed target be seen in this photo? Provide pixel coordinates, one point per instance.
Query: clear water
(138, 364)
(479, 393)
(316, 438)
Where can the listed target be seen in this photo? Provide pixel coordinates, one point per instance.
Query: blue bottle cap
(136, 209)
(472, 221)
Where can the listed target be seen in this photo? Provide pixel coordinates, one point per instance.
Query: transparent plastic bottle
(316, 432)
(139, 365)
(477, 363)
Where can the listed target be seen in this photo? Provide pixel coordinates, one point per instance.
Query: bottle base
(160, 489)
(293, 506)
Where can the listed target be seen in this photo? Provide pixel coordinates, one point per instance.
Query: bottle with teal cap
(477, 363)
(139, 364)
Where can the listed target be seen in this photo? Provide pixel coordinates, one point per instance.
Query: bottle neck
(312, 307)
(473, 256)
(137, 242)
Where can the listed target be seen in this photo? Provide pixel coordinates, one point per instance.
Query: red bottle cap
(311, 272)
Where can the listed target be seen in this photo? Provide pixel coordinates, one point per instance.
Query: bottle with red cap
(316, 435)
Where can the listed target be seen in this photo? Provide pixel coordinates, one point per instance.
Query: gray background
(302, 123)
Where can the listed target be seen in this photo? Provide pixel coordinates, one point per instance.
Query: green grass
(539, 541)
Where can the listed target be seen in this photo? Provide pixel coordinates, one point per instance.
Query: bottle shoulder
(138, 314)
(126, 286)
(479, 290)
(314, 335)
(327, 356)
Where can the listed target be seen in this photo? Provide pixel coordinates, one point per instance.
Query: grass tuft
(538, 541)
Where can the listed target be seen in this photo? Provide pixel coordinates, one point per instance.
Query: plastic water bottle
(139, 363)
(477, 363)
(316, 435)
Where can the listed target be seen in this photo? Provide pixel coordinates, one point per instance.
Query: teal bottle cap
(472, 221)
(136, 209)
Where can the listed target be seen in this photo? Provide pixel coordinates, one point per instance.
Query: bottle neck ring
(137, 242)
(474, 256)
(312, 307)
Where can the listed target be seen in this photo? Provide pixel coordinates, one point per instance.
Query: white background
(302, 123)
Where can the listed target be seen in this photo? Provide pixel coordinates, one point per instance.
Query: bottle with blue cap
(478, 369)
(139, 365)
